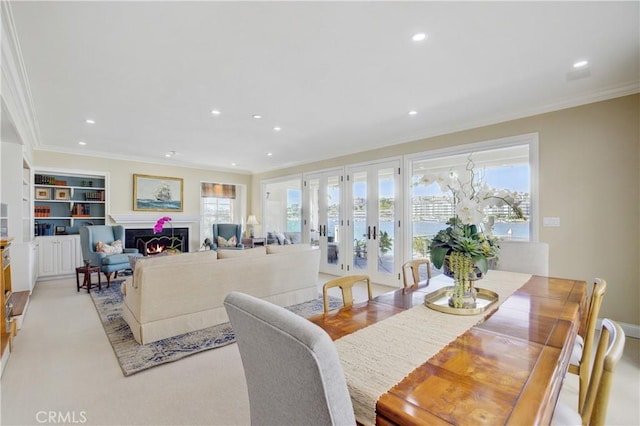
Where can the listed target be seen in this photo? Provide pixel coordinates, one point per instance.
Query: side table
(254, 241)
(86, 280)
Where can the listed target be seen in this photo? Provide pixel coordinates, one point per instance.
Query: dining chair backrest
(413, 266)
(608, 354)
(581, 357)
(293, 373)
(346, 285)
(525, 257)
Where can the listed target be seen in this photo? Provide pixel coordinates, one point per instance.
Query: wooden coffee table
(86, 280)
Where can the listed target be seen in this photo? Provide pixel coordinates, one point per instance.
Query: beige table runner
(378, 357)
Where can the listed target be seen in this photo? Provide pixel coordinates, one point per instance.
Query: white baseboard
(630, 330)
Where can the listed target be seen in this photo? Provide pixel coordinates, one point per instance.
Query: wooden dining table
(505, 369)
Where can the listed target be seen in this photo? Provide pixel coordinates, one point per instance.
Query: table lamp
(251, 220)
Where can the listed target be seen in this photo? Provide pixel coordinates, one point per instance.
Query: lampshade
(251, 220)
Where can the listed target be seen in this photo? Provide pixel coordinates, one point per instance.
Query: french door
(373, 221)
(323, 221)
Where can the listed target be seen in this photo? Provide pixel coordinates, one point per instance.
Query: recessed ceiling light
(413, 112)
(90, 121)
(82, 143)
(233, 164)
(277, 128)
(269, 154)
(581, 64)
(419, 37)
(257, 116)
(215, 112)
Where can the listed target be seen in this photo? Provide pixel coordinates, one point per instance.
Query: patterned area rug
(134, 357)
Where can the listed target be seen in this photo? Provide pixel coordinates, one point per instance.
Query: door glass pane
(360, 240)
(333, 219)
(386, 220)
(294, 216)
(282, 210)
(314, 211)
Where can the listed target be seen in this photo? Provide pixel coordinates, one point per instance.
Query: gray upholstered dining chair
(524, 256)
(291, 366)
(594, 410)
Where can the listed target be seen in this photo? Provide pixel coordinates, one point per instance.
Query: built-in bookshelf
(63, 202)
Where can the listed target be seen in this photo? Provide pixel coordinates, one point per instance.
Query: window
(509, 164)
(220, 203)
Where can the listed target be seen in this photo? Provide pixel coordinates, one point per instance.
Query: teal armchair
(109, 264)
(226, 231)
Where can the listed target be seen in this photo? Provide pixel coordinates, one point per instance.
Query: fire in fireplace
(156, 245)
(149, 244)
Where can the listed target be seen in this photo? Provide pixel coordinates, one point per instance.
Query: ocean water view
(519, 230)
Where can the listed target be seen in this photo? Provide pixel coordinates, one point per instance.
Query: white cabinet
(25, 262)
(58, 255)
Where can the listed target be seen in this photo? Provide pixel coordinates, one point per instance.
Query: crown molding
(16, 91)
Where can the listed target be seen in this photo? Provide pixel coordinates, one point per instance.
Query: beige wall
(589, 162)
(589, 177)
(121, 181)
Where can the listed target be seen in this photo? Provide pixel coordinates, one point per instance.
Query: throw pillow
(281, 238)
(231, 242)
(109, 249)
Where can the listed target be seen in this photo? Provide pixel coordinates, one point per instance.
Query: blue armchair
(109, 264)
(226, 231)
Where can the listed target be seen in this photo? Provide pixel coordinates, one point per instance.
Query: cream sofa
(172, 295)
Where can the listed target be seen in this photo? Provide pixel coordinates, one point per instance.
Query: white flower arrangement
(471, 194)
(465, 235)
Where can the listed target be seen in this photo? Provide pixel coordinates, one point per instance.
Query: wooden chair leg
(108, 275)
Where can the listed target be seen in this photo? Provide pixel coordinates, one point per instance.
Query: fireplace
(149, 243)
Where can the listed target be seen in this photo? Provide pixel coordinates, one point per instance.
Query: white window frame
(239, 212)
(530, 139)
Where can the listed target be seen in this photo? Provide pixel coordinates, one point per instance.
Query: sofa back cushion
(170, 288)
(254, 252)
(273, 249)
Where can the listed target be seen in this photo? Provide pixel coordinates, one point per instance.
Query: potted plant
(464, 249)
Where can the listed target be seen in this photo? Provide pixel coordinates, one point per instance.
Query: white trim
(141, 159)
(124, 219)
(16, 90)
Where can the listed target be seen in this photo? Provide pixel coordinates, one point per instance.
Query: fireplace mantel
(139, 218)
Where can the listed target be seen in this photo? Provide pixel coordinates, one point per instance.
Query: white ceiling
(338, 77)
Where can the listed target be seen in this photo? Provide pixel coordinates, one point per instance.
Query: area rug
(134, 357)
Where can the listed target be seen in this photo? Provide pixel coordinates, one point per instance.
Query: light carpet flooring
(63, 363)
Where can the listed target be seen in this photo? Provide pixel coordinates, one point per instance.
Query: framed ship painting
(157, 193)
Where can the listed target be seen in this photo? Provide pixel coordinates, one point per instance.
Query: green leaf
(481, 263)
(437, 256)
